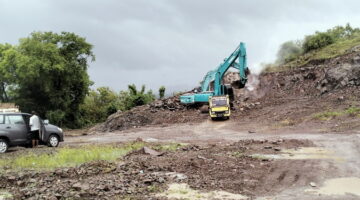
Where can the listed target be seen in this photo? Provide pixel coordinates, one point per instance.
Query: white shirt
(34, 123)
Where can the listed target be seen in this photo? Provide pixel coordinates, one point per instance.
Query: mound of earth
(293, 97)
(286, 98)
(162, 111)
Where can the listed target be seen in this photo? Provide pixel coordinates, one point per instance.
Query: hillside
(320, 93)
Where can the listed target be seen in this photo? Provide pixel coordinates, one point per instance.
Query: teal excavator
(212, 89)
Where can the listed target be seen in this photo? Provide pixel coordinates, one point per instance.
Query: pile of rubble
(171, 103)
(124, 120)
(144, 173)
(162, 111)
(95, 180)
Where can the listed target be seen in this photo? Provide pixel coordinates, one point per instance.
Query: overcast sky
(173, 42)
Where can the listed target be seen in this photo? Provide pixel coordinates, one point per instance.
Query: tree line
(47, 72)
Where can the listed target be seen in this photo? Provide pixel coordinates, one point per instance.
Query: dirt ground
(221, 155)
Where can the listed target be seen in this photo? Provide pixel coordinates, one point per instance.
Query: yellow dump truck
(219, 107)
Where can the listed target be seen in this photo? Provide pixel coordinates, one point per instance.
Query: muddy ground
(236, 168)
(256, 165)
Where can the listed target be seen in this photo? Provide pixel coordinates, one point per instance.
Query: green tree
(98, 105)
(137, 98)
(4, 80)
(162, 92)
(48, 73)
(341, 32)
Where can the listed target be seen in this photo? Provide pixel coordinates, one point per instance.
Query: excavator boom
(237, 60)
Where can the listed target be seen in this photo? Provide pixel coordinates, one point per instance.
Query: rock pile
(162, 111)
(171, 103)
(95, 180)
(341, 75)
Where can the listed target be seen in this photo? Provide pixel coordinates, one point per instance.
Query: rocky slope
(294, 95)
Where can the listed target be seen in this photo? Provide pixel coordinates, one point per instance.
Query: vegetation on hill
(318, 46)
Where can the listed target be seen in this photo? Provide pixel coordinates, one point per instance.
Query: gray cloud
(172, 43)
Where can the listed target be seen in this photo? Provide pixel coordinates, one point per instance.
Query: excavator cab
(219, 107)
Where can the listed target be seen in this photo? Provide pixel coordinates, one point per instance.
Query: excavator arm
(238, 54)
(205, 84)
(236, 60)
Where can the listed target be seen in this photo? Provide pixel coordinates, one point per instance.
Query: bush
(135, 98)
(98, 105)
(317, 41)
(111, 109)
(162, 92)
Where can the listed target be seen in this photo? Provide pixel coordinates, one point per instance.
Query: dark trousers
(34, 135)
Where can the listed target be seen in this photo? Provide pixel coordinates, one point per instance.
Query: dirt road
(331, 170)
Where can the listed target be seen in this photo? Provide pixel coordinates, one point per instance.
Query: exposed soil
(289, 98)
(292, 98)
(228, 167)
(165, 111)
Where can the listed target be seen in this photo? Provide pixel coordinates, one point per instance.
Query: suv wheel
(3, 146)
(53, 141)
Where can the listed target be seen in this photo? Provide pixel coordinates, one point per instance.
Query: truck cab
(219, 107)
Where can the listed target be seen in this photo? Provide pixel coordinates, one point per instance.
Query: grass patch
(169, 147)
(353, 111)
(287, 122)
(237, 154)
(337, 49)
(327, 115)
(68, 157)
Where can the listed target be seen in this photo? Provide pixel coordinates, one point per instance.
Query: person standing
(34, 128)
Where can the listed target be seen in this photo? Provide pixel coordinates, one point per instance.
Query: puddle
(183, 191)
(151, 140)
(5, 195)
(302, 153)
(339, 186)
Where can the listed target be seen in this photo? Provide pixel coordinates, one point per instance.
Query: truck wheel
(3, 146)
(53, 141)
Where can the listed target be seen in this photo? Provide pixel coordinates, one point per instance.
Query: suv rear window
(14, 119)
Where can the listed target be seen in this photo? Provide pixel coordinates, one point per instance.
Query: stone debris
(312, 184)
(149, 151)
